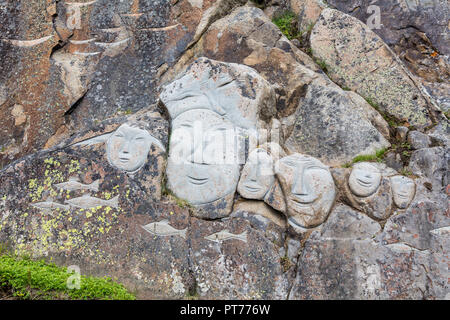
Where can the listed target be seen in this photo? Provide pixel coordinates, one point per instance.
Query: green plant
(30, 279)
(322, 64)
(378, 156)
(287, 23)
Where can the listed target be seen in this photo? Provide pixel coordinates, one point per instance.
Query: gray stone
(358, 59)
(418, 140)
(431, 163)
(325, 127)
(401, 133)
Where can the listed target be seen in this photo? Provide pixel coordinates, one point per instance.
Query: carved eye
(139, 139)
(289, 163)
(118, 135)
(317, 168)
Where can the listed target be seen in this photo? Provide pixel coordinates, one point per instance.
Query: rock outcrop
(190, 150)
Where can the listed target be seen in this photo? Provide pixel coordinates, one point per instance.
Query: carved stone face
(257, 176)
(127, 148)
(308, 188)
(202, 165)
(403, 190)
(364, 179)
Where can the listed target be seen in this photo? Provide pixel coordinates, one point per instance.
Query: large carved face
(308, 189)
(202, 165)
(257, 176)
(403, 190)
(364, 179)
(127, 148)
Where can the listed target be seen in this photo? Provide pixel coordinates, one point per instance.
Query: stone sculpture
(212, 109)
(364, 179)
(403, 190)
(258, 176)
(127, 148)
(368, 189)
(308, 189)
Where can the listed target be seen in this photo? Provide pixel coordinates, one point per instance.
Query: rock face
(193, 152)
(358, 59)
(92, 60)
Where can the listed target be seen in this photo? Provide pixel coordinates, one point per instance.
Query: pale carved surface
(403, 191)
(258, 176)
(364, 179)
(196, 169)
(127, 148)
(308, 188)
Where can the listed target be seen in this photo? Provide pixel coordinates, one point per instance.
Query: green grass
(286, 22)
(30, 279)
(378, 156)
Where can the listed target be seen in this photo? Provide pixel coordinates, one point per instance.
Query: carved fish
(82, 41)
(226, 235)
(75, 184)
(27, 43)
(87, 202)
(111, 44)
(49, 205)
(163, 228)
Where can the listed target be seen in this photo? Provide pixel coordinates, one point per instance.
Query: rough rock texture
(103, 58)
(326, 124)
(358, 59)
(97, 97)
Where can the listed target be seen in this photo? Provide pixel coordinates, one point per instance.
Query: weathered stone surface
(433, 164)
(403, 18)
(232, 268)
(74, 64)
(308, 12)
(119, 80)
(358, 59)
(341, 262)
(418, 140)
(211, 106)
(325, 127)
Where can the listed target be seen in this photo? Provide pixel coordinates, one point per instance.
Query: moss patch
(287, 23)
(28, 279)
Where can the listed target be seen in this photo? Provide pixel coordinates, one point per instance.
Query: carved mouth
(197, 181)
(124, 160)
(364, 183)
(303, 201)
(252, 188)
(402, 196)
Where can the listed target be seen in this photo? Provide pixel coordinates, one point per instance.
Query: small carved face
(364, 179)
(308, 188)
(403, 190)
(202, 165)
(257, 176)
(127, 148)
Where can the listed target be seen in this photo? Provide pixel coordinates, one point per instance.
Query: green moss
(378, 156)
(287, 23)
(29, 279)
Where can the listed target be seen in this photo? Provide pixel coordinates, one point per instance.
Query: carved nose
(300, 187)
(125, 148)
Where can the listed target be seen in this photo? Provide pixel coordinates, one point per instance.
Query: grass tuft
(287, 23)
(30, 279)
